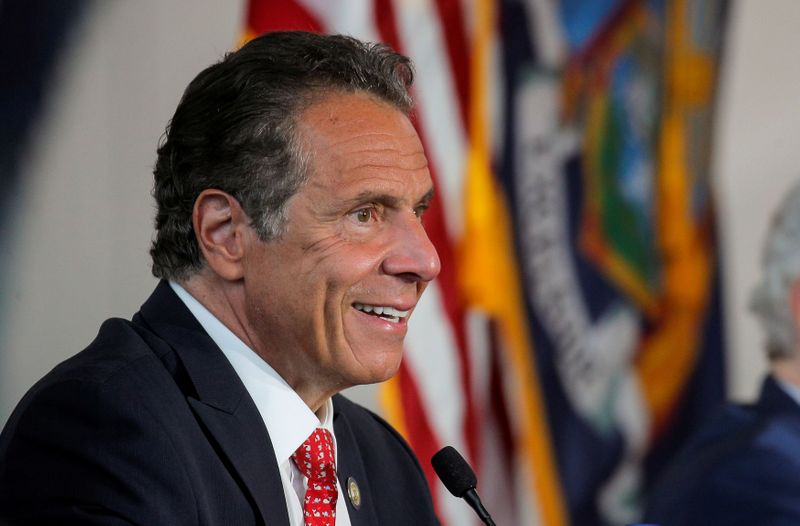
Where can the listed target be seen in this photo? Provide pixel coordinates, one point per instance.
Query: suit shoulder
(738, 469)
(118, 344)
(119, 347)
(94, 440)
(765, 455)
(743, 438)
(750, 485)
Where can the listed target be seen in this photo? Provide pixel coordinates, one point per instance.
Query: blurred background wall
(82, 217)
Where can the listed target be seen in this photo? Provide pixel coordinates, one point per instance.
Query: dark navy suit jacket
(151, 425)
(742, 469)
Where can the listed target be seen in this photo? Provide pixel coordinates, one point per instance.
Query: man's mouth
(387, 313)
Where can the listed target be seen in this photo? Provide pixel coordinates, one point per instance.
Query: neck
(226, 301)
(222, 299)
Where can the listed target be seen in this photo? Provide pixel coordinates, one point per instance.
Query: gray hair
(771, 299)
(233, 130)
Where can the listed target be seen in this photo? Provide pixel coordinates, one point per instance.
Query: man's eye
(363, 215)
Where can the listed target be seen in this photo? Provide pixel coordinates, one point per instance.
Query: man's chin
(380, 371)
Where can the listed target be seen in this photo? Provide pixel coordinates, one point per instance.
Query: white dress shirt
(288, 419)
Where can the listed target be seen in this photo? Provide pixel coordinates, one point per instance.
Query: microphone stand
(472, 498)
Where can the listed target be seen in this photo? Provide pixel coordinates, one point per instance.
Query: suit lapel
(250, 455)
(221, 402)
(349, 466)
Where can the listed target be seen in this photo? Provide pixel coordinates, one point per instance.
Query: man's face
(330, 300)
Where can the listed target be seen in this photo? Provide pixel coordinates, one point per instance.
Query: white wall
(758, 156)
(84, 222)
(84, 218)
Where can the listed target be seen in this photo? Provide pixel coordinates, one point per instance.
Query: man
(290, 187)
(742, 469)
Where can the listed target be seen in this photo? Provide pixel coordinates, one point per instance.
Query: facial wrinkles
(296, 335)
(391, 198)
(361, 136)
(361, 291)
(324, 238)
(330, 326)
(324, 249)
(379, 150)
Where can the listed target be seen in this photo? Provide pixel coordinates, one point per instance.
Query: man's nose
(412, 255)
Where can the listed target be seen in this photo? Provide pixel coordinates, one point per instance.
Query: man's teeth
(389, 313)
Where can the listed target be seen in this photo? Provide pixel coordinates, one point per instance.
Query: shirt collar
(288, 419)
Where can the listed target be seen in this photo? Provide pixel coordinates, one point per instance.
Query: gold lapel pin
(353, 492)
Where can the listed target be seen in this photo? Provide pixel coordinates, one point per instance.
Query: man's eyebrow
(427, 198)
(371, 196)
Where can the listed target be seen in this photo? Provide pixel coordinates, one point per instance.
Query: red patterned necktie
(315, 459)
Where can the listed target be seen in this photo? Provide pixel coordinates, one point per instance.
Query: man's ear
(220, 226)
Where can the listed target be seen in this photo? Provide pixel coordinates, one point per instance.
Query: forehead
(356, 139)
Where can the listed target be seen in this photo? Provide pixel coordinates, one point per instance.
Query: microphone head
(454, 472)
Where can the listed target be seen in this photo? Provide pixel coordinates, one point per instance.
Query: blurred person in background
(743, 468)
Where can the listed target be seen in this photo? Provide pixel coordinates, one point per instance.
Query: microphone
(459, 479)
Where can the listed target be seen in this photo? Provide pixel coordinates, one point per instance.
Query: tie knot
(315, 457)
